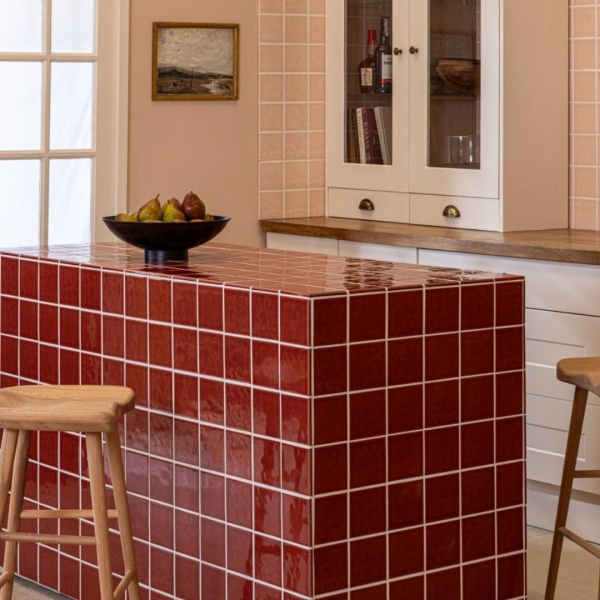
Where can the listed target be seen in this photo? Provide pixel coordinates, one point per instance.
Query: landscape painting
(195, 61)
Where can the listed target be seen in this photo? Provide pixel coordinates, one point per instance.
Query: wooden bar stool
(584, 374)
(92, 410)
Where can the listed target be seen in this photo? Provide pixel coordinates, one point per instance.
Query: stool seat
(90, 408)
(580, 372)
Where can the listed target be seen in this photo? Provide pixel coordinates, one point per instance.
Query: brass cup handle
(397, 51)
(451, 212)
(413, 50)
(366, 204)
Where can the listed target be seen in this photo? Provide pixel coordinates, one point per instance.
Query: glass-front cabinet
(418, 128)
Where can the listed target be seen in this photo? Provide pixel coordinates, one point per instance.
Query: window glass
(66, 37)
(21, 25)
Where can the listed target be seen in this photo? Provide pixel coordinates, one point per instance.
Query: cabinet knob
(397, 51)
(451, 212)
(413, 50)
(366, 204)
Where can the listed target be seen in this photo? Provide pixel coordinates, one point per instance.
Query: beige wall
(210, 147)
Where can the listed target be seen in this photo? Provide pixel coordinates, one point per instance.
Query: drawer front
(388, 206)
(475, 213)
(397, 254)
(301, 243)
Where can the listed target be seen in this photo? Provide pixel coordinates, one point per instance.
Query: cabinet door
(454, 61)
(355, 115)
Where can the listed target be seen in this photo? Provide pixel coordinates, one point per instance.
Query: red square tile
(161, 525)
(405, 314)
(211, 448)
(295, 466)
(9, 349)
(187, 488)
(367, 317)
(262, 592)
(69, 329)
(113, 372)
(186, 442)
(441, 403)
(9, 315)
(477, 352)
(185, 349)
(477, 398)
(329, 321)
(48, 316)
(405, 361)
(367, 415)
(509, 303)
(405, 456)
(239, 503)
(136, 297)
(69, 285)
(113, 335)
(331, 518)
(69, 367)
(160, 346)
(212, 496)
(184, 304)
(48, 282)
(477, 444)
(441, 357)
(212, 542)
(186, 395)
(510, 530)
(510, 394)
(267, 559)
(296, 519)
(48, 364)
(113, 292)
(28, 315)
(265, 315)
(239, 402)
(28, 360)
(136, 341)
(295, 419)
(367, 463)
(405, 408)
(239, 551)
(267, 511)
(210, 307)
(237, 311)
(478, 537)
(509, 484)
(441, 310)
(368, 512)
(161, 435)
(137, 478)
(161, 562)
(265, 364)
(330, 419)
(267, 462)
(330, 469)
(294, 369)
(91, 369)
(367, 366)
(48, 446)
(441, 450)
(378, 592)
(405, 501)
(477, 490)
(212, 404)
(161, 480)
(479, 581)
(91, 331)
(187, 578)
(477, 306)
(368, 560)
(442, 497)
(331, 568)
(406, 552)
(239, 454)
(444, 585)
(511, 577)
(161, 389)
(48, 563)
(412, 587)
(69, 576)
(213, 582)
(330, 369)
(70, 452)
(160, 300)
(294, 321)
(10, 275)
(509, 439)
(443, 545)
(509, 349)
(237, 358)
(90, 289)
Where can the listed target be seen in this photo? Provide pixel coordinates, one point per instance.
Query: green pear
(150, 210)
(125, 217)
(208, 217)
(172, 213)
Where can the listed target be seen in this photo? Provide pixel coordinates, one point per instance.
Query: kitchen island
(306, 426)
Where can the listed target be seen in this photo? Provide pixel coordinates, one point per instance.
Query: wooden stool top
(582, 372)
(85, 408)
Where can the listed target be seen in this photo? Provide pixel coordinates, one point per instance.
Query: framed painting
(195, 61)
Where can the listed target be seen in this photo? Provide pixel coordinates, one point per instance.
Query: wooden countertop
(562, 245)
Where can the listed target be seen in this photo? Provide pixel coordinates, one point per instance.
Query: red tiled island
(306, 427)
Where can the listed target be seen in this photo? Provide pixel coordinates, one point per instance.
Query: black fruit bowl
(166, 241)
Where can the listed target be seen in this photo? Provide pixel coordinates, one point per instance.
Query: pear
(124, 217)
(193, 207)
(172, 213)
(150, 210)
(133, 215)
(208, 217)
(176, 202)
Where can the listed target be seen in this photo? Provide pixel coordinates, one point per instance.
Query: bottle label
(386, 68)
(366, 77)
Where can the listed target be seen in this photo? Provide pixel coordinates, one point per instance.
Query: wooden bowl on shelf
(463, 75)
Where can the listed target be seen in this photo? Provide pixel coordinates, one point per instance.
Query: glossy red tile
(91, 369)
(212, 496)
(137, 474)
(267, 511)
(48, 291)
(511, 576)
(239, 454)
(161, 389)
(368, 559)
(444, 585)
(187, 578)
(185, 395)
(294, 370)
(185, 349)
(136, 297)
(210, 307)
(9, 315)
(405, 502)
(185, 311)
(161, 480)
(509, 303)
(367, 366)
(136, 341)
(239, 503)
(329, 366)
(265, 315)
(367, 317)
(367, 414)
(509, 532)
(441, 403)
(377, 592)
(441, 450)
(69, 285)
(237, 358)
(405, 408)
(9, 350)
(113, 292)
(161, 562)
(442, 498)
(265, 364)
(330, 568)
(295, 465)
(296, 519)
(477, 352)
(405, 314)
(187, 488)
(441, 309)
(160, 300)
(237, 311)
(368, 512)
(405, 456)
(477, 307)
(90, 289)
(28, 360)
(478, 537)
(477, 444)
(267, 560)
(113, 336)
(405, 361)
(239, 551)
(406, 551)
(262, 592)
(239, 406)
(9, 269)
(330, 421)
(28, 316)
(330, 469)
(267, 461)
(239, 588)
(330, 321)
(160, 345)
(441, 356)
(509, 484)
(211, 448)
(69, 367)
(443, 544)
(211, 354)
(48, 323)
(477, 491)
(510, 394)
(295, 419)
(331, 518)
(91, 331)
(509, 349)
(212, 542)
(367, 463)
(294, 320)
(412, 587)
(479, 581)
(161, 435)
(186, 442)
(509, 439)
(161, 525)
(477, 398)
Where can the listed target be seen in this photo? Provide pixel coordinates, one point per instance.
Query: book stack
(369, 135)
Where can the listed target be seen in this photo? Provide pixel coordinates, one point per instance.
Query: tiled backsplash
(292, 105)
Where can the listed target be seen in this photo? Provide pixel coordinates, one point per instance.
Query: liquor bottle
(366, 69)
(383, 60)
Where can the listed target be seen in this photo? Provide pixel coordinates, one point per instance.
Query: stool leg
(566, 486)
(7, 457)
(15, 509)
(96, 468)
(120, 493)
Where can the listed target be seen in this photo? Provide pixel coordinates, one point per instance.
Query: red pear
(193, 207)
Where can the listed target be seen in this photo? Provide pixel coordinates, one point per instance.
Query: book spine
(385, 151)
(361, 136)
(376, 155)
(368, 133)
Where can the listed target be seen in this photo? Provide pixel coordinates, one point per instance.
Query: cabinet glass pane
(73, 26)
(20, 186)
(70, 201)
(21, 25)
(71, 106)
(368, 82)
(454, 84)
(20, 105)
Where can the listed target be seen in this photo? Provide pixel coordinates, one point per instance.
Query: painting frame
(225, 86)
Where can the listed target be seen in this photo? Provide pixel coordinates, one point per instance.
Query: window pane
(70, 201)
(65, 36)
(21, 26)
(71, 106)
(20, 183)
(20, 105)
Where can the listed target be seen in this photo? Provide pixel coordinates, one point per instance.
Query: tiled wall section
(292, 108)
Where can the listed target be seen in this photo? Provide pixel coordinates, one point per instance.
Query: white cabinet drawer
(389, 206)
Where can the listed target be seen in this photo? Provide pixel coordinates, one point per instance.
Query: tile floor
(578, 577)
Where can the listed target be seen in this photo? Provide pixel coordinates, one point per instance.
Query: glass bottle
(383, 60)
(367, 69)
